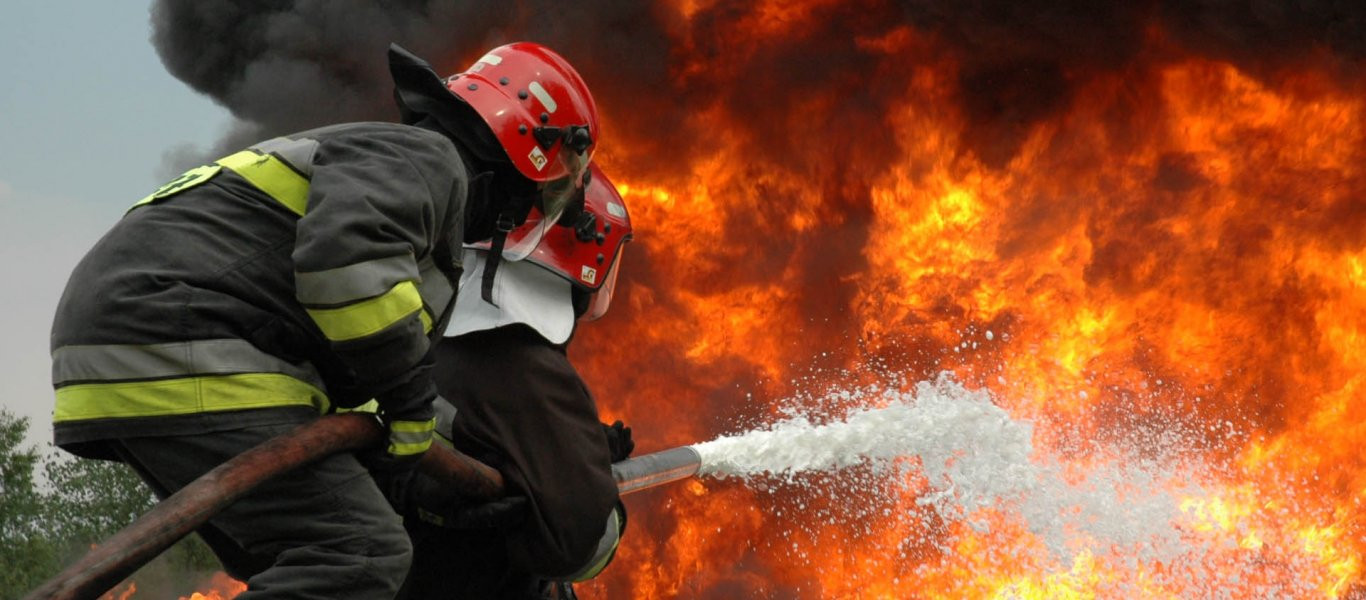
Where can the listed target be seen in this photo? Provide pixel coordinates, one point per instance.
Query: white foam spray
(940, 423)
(976, 459)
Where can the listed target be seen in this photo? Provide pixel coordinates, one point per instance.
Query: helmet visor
(523, 240)
(556, 195)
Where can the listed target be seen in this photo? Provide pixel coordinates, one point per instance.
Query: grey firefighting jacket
(303, 273)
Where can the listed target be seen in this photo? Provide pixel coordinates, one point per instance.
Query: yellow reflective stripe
(410, 437)
(272, 176)
(370, 406)
(267, 173)
(182, 396)
(186, 180)
(413, 426)
(370, 316)
(426, 321)
(407, 449)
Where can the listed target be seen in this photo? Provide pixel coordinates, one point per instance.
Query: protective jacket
(530, 415)
(303, 273)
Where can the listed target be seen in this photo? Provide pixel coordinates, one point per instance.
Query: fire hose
(184, 511)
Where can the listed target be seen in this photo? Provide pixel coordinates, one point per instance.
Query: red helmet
(537, 106)
(543, 116)
(588, 252)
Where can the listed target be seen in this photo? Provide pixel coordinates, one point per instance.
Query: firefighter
(305, 274)
(530, 415)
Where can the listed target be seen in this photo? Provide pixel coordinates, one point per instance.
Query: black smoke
(282, 66)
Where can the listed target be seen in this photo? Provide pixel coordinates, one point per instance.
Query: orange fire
(1159, 263)
(1176, 250)
(121, 593)
(219, 587)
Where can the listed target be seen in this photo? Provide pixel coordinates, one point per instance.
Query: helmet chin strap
(511, 205)
(500, 236)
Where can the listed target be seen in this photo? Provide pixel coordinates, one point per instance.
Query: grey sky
(87, 113)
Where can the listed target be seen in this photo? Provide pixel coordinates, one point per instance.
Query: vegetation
(49, 523)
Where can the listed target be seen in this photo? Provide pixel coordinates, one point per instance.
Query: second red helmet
(587, 252)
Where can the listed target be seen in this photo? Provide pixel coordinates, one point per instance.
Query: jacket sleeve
(378, 198)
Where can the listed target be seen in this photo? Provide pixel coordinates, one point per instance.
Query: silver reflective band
(434, 287)
(115, 362)
(546, 100)
(298, 154)
(410, 437)
(354, 282)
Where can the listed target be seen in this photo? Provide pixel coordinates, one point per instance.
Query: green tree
(92, 499)
(46, 525)
(23, 549)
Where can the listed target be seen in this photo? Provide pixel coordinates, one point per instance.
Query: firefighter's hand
(619, 443)
(394, 466)
(410, 435)
(503, 513)
(409, 423)
(409, 417)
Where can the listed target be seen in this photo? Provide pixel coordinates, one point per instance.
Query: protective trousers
(323, 531)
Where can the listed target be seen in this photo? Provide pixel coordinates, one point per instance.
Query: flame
(1176, 251)
(125, 594)
(220, 586)
(1153, 255)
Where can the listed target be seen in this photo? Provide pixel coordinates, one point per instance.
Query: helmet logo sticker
(537, 157)
(588, 274)
(616, 210)
(542, 95)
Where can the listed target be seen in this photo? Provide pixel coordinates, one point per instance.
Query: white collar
(524, 293)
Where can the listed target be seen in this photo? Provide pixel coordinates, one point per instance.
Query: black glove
(503, 513)
(619, 444)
